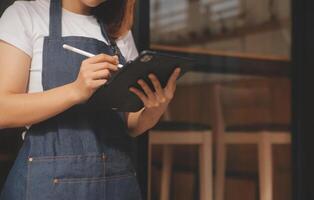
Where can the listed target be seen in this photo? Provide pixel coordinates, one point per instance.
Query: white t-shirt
(25, 24)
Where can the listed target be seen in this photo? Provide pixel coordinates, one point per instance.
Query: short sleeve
(129, 45)
(16, 27)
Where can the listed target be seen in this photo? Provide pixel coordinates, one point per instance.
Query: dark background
(303, 98)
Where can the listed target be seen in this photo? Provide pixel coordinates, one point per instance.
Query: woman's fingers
(103, 58)
(98, 83)
(140, 95)
(101, 74)
(160, 96)
(100, 70)
(149, 93)
(173, 79)
(102, 66)
(158, 88)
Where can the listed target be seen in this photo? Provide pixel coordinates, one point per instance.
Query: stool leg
(205, 168)
(166, 172)
(265, 167)
(220, 169)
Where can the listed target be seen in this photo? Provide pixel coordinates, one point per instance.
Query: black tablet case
(115, 93)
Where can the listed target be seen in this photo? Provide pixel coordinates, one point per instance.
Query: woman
(71, 151)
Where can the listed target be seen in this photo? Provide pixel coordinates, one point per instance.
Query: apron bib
(82, 153)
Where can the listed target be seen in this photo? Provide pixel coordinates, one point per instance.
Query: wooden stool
(180, 133)
(264, 135)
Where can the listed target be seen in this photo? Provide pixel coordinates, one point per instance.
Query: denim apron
(82, 153)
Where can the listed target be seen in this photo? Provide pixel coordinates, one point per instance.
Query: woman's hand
(155, 103)
(94, 72)
(159, 99)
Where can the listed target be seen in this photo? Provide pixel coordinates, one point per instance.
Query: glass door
(239, 93)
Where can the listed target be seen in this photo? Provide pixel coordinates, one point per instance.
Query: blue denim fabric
(82, 153)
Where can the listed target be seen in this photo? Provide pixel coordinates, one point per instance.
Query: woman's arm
(19, 109)
(155, 103)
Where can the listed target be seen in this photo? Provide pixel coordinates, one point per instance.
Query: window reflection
(259, 27)
(238, 36)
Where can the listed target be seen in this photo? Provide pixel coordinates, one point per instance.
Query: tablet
(115, 93)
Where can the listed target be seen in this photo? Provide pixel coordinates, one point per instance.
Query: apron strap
(113, 45)
(104, 31)
(55, 28)
(55, 24)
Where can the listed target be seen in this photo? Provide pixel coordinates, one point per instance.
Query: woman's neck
(76, 6)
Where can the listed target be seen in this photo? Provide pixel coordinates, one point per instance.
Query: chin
(92, 3)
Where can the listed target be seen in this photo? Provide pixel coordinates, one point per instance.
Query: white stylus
(81, 52)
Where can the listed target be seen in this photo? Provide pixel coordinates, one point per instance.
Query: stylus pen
(81, 52)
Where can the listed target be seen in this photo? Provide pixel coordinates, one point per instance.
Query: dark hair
(117, 15)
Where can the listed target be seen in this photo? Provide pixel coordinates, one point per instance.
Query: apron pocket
(119, 187)
(79, 189)
(45, 174)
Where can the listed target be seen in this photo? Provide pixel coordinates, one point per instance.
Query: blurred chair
(168, 133)
(264, 135)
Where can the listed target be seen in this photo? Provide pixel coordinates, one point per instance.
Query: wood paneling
(263, 100)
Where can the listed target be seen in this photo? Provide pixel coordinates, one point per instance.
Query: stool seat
(180, 126)
(253, 128)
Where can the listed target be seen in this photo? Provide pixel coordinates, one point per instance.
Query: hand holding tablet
(125, 90)
(116, 94)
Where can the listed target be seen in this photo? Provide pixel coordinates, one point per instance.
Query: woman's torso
(33, 18)
(79, 154)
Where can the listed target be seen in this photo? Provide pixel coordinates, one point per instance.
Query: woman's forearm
(146, 119)
(18, 110)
